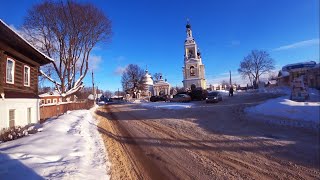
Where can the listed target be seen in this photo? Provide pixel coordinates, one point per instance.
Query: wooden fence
(58, 109)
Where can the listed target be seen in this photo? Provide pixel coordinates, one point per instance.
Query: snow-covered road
(205, 141)
(69, 147)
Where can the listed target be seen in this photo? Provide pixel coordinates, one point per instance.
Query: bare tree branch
(67, 32)
(255, 64)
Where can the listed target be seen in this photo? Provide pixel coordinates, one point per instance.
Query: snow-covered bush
(17, 132)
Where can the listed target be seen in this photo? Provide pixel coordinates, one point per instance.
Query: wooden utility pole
(93, 91)
(230, 79)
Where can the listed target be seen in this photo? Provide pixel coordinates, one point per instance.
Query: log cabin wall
(1, 71)
(18, 89)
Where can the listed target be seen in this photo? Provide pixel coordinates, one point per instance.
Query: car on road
(158, 98)
(180, 98)
(214, 96)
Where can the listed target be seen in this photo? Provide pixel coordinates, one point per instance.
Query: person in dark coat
(231, 91)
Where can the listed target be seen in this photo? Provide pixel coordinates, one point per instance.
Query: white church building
(158, 88)
(193, 69)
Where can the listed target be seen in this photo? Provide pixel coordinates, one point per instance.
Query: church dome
(188, 25)
(147, 80)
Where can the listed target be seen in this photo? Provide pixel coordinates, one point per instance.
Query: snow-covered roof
(283, 74)
(272, 82)
(115, 97)
(147, 79)
(44, 55)
(91, 97)
(309, 64)
(50, 94)
(161, 82)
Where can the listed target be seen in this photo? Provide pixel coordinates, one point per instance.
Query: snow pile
(164, 105)
(69, 147)
(283, 107)
(225, 92)
(275, 90)
(101, 103)
(138, 101)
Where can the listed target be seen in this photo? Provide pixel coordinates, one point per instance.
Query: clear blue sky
(152, 33)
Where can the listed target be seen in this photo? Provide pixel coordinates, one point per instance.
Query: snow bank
(138, 101)
(167, 105)
(284, 108)
(69, 147)
(275, 90)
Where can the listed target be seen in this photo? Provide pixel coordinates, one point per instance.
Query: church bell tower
(193, 69)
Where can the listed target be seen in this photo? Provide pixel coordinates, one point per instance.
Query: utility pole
(230, 79)
(118, 92)
(93, 91)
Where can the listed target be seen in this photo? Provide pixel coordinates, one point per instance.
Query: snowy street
(205, 141)
(68, 147)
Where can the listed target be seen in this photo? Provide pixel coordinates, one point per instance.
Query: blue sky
(152, 33)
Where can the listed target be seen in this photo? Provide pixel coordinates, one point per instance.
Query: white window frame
(13, 118)
(24, 78)
(54, 100)
(48, 101)
(12, 71)
(43, 101)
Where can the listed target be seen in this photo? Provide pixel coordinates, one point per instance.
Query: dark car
(157, 98)
(214, 96)
(180, 98)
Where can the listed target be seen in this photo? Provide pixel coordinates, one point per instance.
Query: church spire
(189, 31)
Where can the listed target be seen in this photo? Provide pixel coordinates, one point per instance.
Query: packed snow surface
(166, 105)
(69, 147)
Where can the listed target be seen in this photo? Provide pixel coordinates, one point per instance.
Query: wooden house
(50, 98)
(19, 70)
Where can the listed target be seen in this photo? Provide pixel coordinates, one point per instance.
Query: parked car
(157, 98)
(180, 98)
(214, 96)
(198, 94)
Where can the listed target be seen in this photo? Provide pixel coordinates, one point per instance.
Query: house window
(43, 101)
(26, 76)
(54, 100)
(192, 72)
(11, 117)
(48, 101)
(29, 115)
(10, 71)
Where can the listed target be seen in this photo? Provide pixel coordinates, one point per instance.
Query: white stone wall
(21, 106)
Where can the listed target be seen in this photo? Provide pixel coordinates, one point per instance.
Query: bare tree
(108, 94)
(131, 79)
(156, 76)
(84, 93)
(273, 75)
(45, 89)
(224, 83)
(258, 62)
(66, 32)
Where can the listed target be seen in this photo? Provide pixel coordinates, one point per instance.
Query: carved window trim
(26, 80)
(12, 71)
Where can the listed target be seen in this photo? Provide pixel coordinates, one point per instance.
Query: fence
(48, 111)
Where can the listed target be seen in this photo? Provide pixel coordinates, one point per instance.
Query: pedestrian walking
(231, 91)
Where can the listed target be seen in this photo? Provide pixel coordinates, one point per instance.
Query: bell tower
(193, 69)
